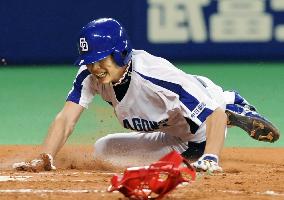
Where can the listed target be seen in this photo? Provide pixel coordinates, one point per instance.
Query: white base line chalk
(14, 178)
(49, 191)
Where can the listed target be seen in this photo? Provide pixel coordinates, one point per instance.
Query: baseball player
(165, 108)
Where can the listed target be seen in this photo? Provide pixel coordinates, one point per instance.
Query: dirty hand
(43, 163)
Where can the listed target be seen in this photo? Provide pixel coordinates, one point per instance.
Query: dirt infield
(251, 173)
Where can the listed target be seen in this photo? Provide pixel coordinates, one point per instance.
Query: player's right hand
(207, 162)
(43, 163)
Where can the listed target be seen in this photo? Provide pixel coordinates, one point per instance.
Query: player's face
(106, 70)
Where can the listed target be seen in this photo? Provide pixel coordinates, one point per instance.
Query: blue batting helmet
(101, 38)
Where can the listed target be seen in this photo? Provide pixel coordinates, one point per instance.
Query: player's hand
(207, 162)
(43, 163)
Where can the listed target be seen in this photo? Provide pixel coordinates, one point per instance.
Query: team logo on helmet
(83, 44)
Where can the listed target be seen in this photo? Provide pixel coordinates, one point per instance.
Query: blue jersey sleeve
(82, 92)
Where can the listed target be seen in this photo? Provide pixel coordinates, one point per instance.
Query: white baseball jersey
(159, 97)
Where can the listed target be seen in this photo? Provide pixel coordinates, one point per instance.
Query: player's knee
(101, 147)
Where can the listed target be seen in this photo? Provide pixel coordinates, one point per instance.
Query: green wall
(30, 97)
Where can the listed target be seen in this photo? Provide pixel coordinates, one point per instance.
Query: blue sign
(212, 29)
(187, 30)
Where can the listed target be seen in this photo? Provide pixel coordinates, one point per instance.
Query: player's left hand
(43, 163)
(207, 162)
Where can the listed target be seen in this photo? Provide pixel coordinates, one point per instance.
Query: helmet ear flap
(122, 58)
(118, 58)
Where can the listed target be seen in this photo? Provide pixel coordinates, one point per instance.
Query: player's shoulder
(145, 62)
(83, 75)
(82, 69)
(143, 57)
(153, 68)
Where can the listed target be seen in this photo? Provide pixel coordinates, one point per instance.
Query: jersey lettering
(126, 124)
(143, 124)
(146, 125)
(154, 125)
(198, 109)
(137, 124)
